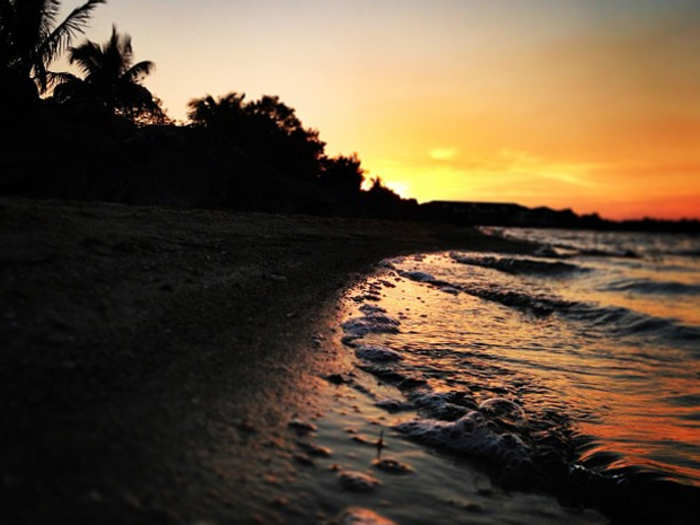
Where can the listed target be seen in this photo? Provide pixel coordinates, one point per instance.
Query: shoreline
(140, 337)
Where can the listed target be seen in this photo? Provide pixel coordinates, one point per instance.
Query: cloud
(443, 153)
(527, 164)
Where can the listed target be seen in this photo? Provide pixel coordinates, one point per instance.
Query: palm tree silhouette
(31, 38)
(111, 81)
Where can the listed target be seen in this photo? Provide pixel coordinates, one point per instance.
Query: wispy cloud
(528, 164)
(443, 153)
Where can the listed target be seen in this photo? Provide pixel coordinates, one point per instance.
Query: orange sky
(591, 105)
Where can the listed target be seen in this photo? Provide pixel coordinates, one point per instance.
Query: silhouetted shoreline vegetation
(104, 136)
(516, 215)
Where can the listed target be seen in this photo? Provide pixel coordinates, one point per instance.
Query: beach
(315, 262)
(141, 342)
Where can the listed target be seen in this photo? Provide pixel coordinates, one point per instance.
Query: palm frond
(88, 56)
(70, 89)
(57, 78)
(48, 13)
(137, 72)
(113, 42)
(117, 53)
(123, 45)
(74, 24)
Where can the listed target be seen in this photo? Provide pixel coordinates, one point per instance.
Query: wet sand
(152, 358)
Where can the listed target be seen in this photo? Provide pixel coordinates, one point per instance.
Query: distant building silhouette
(470, 212)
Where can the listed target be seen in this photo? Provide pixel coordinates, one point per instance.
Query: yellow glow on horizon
(400, 187)
(513, 176)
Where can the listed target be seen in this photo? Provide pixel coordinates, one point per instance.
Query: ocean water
(560, 387)
(573, 371)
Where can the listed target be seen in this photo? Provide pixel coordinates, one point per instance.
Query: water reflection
(624, 389)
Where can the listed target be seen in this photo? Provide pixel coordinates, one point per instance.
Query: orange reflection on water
(683, 307)
(637, 401)
(643, 421)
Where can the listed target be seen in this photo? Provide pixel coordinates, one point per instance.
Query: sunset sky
(593, 105)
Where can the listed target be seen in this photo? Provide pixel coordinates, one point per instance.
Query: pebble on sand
(314, 450)
(302, 426)
(357, 481)
(361, 516)
(392, 466)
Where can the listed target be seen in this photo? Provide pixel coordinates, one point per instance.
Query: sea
(573, 370)
(561, 385)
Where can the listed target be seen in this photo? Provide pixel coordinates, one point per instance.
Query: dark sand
(138, 343)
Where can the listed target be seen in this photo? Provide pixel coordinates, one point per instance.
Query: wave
(373, 322)
(523, 454)
(517, 266)
(617, 321)
(646, 286)
(524, 434)
(522, 445)
(597, 252)
(471, 435)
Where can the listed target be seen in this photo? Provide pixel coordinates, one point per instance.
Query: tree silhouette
(276, 112)
(266, 131)
(342, 174)
(283, 139)
(31, 38)
(224, 114)
(111, 82)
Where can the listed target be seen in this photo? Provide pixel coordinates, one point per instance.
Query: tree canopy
(266, 129)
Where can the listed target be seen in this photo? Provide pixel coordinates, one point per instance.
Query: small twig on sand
(380, 444)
